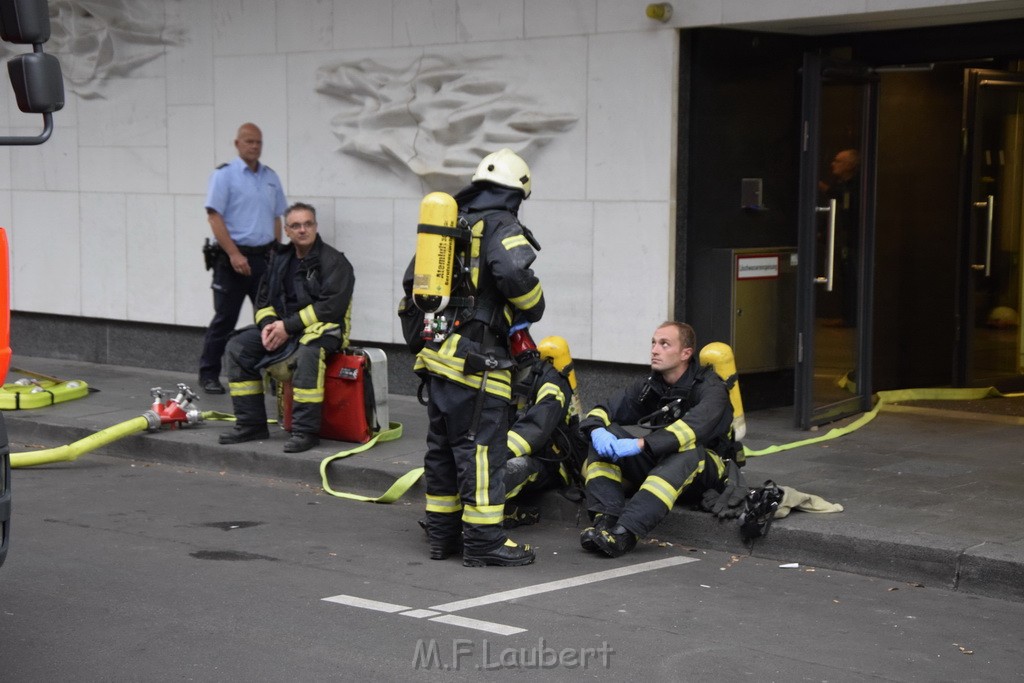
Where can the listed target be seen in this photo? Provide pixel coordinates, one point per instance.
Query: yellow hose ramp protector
(397, 490)
(888, 400)
(39, 393)
(71, 451)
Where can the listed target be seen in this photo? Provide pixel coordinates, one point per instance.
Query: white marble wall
(106, 219)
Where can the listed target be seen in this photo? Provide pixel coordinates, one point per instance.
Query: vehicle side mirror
(37, 82)
(35, 76)
(25, 21)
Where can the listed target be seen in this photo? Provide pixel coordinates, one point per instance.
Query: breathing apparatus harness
(466, 307)
(674, 403)
(759, 510)
(567, 445)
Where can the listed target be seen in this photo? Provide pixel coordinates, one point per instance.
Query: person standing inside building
(303, 313)
(844, 187)
(466, 365)
(688, 407)
(244, 204)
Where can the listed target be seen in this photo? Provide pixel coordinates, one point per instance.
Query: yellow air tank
(435, 252)
(720, 356)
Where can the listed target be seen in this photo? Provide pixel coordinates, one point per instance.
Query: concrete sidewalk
(930, 497)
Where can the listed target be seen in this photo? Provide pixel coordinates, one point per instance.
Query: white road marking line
(505, 596)
(488, 626)
(420, 613)
(353, 601)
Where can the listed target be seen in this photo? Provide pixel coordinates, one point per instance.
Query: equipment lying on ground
(175, 412)
(759, 511)
(36, 390)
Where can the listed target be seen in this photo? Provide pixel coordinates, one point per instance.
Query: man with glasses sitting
(303, 313)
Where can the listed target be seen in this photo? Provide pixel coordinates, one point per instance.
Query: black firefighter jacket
(323, 289)
(702, 417)
(506, 290)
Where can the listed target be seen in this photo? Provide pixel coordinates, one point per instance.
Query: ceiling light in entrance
(659, 11)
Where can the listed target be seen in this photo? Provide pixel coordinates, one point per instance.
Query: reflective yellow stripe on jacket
(445, 364)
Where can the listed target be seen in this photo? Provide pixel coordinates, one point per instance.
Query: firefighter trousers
(465, 478)
(658, 483)
(528, 475)
(244, 359)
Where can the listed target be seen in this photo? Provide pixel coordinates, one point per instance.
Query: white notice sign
(753, 267)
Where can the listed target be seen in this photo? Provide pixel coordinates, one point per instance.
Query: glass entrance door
(836, 241)
(991, 344)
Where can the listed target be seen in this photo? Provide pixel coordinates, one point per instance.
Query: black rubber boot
(241, 433)
(511, 554)
(442, 550)
(616, 542)
(301, 441)
(520, 515)
(588, 538)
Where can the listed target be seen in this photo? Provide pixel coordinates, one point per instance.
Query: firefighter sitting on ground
(687, 406)
(545, 448)
(465, 362)
(302, 316)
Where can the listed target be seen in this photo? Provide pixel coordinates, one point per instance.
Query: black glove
(729, 504)
(707, 503)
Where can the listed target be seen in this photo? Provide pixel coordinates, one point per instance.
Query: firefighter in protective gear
(467, 369)
(504, 168)
(545, 449)
(303, 313)
(687, 407)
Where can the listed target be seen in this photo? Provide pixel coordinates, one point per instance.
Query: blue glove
(602, 440)
(625, 448)
(518, 326)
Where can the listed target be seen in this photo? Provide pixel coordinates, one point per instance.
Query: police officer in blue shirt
(244, 204)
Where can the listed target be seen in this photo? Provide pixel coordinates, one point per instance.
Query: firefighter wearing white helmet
(462, 354)
(505, 168)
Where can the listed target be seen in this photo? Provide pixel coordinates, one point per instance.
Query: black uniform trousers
(527, 475)
(660, 483)
(465, 479)
(245, 354)
(229, 292)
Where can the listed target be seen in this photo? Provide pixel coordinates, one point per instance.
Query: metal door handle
(990, 204)
(830, 249)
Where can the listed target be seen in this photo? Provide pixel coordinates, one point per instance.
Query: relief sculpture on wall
(97, 40)
(437, 116)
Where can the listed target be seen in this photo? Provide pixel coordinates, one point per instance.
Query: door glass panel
(836, 241)
(997, 184)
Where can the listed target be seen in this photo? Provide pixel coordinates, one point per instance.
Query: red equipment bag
(348, 406)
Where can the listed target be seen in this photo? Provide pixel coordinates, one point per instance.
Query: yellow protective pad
(39, 393)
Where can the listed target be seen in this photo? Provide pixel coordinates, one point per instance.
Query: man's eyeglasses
(308, 225)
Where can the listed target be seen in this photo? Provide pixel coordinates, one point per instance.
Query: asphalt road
(133, 571)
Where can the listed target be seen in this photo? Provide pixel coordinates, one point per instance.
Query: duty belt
(254, 251)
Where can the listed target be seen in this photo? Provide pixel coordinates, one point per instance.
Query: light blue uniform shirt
(249, 202)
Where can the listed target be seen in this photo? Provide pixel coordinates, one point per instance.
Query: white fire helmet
(505, 168)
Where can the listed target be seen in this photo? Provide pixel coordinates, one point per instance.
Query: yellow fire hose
(71, 451)
(151, 421)
(888, 400)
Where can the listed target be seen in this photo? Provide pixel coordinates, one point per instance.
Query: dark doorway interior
(916, 227)
(740, 118)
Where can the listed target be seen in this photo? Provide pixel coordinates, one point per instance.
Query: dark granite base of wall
(171, 347)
